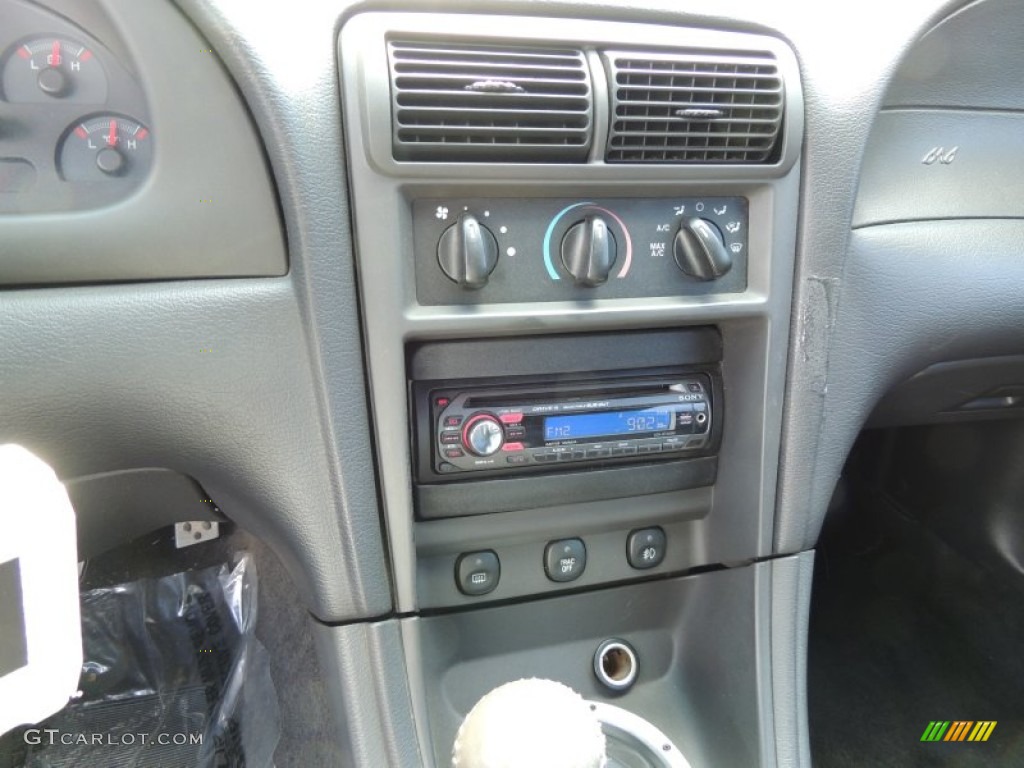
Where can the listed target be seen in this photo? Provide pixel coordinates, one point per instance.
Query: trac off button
(645, 547)
(565, 559)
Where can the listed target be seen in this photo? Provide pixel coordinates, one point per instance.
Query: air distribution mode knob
(700, 251)
(483, 435)
(588, 251)
(467, 252)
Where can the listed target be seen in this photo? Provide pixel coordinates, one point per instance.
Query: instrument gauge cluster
(74, 122)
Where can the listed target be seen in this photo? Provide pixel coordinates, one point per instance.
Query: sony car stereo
(500, 429)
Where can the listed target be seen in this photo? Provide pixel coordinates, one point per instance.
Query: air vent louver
(699, 108)
(476, 103)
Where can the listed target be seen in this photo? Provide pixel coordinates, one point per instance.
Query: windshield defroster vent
(482, 103)
(694, 108)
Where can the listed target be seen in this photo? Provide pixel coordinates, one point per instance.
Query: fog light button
(645, 547)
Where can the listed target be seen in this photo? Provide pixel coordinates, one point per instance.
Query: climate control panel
(471, 251)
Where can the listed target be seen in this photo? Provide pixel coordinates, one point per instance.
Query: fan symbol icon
(441, 212)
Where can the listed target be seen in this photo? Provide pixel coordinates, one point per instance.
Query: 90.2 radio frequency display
(606, 424)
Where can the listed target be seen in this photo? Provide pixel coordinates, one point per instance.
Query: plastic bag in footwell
(173, 677)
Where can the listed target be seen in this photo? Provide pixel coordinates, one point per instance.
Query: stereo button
(449, 438)
(515, 433)
(673, 443)
(482, 435)
(519, 458)
(452, 421)
(511, 418)
(512, 447)
(454, 453)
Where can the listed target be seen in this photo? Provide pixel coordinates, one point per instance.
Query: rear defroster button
(477, 573)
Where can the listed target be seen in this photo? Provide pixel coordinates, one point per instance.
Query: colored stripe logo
(958, 730)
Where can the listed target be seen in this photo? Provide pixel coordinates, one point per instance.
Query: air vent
(694, 108)
(476, 103)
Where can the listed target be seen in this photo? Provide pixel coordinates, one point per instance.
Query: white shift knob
(530, 724)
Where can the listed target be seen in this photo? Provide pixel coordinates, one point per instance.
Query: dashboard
(511, 327)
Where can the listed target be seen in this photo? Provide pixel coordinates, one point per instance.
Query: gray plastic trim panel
(792, 578)
(702, 643)
(369, 689)
(754, 323)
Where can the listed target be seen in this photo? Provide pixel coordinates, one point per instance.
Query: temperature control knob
(700, 251)
(482, 435)
(588, 251)
(467, 252)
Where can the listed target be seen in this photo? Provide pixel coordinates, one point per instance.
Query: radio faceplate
(501, 430)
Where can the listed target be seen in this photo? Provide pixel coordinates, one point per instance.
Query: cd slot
(493, 400)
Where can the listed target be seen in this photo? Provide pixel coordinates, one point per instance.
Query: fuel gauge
(48, 68)
(106, 147)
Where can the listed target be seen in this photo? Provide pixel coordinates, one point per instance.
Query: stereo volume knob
(700, 251)
(467, 252)
(482, 435)
(588, 251)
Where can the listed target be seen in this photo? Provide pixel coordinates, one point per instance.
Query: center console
(575, 254)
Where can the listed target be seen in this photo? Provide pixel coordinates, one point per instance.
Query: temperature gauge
(106, 147)
(49, 68)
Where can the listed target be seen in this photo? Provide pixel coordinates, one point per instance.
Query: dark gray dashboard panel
(848, 82)
(942, 164)
(968, 60)
(213, 380)
(962, 390)
(907, 305)
(208, 207)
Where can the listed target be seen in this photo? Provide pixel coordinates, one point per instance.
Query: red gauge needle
(112, 136)
(55, 54)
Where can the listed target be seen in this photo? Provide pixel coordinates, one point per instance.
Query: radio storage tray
(512, 424)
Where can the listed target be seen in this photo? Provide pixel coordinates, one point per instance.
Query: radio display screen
(606, 424)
